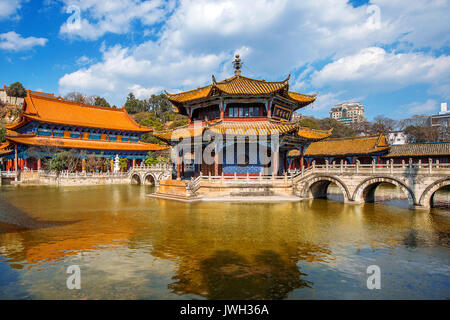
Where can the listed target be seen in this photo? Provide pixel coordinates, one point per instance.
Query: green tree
(161, 105)
(123, 164)
(74, 96)
(101, 102)
(340, 130)
(16, 90)
(309, 123)
(150, 159)
(134, 105)
(162, 160)
(64, 160)
(420, 134)
(2, 134)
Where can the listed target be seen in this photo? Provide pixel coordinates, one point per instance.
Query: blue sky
(391, 55)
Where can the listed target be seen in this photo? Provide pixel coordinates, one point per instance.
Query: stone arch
(365, 191)
(136, 178)
(149, 179)
(317, 187)
(426, 199)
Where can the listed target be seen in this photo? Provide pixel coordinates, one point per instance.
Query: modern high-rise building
(348, 112)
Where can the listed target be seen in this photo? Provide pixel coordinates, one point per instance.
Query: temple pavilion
(253, 118)
(48, 122)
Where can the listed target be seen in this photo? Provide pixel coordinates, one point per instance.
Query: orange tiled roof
(14, 126)
(347, 146)
(300, 97)
(195, 94)
(45, 108)
(420, 149)
(244, 128)
(179, 133)
(34, 140)
(4, 148)
(240, 85)
(314, 134)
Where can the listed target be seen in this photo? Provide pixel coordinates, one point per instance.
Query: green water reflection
(129, 246)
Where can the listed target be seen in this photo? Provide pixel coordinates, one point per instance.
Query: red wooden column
(221, 109)
(15, 161)
(301, 157)
(39, 164)
(178, 164)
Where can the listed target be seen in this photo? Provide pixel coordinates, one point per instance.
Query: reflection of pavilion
(243, 124)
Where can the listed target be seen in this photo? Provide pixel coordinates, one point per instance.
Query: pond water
(129, 246)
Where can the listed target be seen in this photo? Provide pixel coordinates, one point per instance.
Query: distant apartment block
(348, 112)
(442, 121)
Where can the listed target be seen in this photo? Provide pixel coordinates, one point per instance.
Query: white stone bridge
(145, 174)
(357, 182)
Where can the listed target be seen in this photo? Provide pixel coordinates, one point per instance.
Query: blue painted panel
(75, 135)
(57, 133)
(44, 132)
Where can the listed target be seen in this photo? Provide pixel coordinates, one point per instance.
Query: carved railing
(294, 176)
(156, 167)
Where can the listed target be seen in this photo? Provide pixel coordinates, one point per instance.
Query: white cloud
(84, 61)
(8, 8)
(375, 69)
(14, 42)
(274, 38)
(144, 93)
(91, 19)
(121, 71)
(426, 107)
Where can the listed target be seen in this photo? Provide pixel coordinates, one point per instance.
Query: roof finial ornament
(237, 65)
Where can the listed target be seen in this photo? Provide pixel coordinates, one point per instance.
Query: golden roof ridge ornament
(237, 64)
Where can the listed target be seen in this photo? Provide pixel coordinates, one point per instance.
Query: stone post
(357, 166)
(373, 166)
(275, 159)
(430, 165)
(216, 160)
